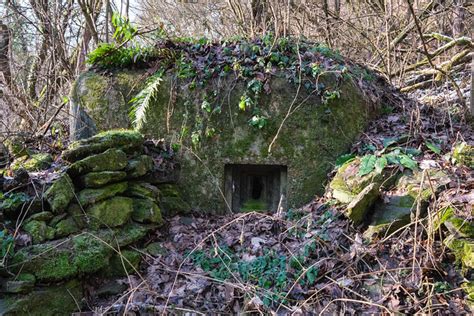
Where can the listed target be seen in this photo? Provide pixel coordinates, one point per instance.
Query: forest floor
(313, 260)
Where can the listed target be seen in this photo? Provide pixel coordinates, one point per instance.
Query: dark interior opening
(255, 187)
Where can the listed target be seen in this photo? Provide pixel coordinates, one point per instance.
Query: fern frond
(141, 102)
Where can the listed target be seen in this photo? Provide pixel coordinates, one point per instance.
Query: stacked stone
(97, 207)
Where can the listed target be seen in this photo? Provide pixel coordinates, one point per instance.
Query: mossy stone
(78, 214)
(463, 249)
(111, 213)
(123, 139)
(155, 249)
(90, 196)
(347, 184)
(91, 253)
(34, 162)
(99, 179)
(361, 204)
(142, 190)
(124, 263)
(54, 300)
(16, 147)
(38, 231)
(463, 154)
(139, 166)
(65, 228)
(110, 160)
(146, 211)
(24, 283)
(171, 200)
(60, 194)
(41, 216)
(460, 227)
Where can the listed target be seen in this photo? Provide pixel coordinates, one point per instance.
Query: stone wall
(108, 196)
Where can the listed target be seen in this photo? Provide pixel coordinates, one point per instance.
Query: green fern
(141, 102)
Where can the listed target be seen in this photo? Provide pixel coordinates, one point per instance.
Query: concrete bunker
(250, 187)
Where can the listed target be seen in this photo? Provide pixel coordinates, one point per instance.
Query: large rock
(142, 190)
(38, 231)
(127, 140)
(90, 196)
(361, 204)
(60, 194)
(110, 160)
(111, 213)
(99, 179)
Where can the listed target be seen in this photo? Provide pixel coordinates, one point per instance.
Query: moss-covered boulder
(99, 179)
(60, 194)
(146, 211)
(127, 140)
(463, 154)
(111, 213)
(90, 196)
(34, 162)
(110, 160)
(54, 300)
(139, 166)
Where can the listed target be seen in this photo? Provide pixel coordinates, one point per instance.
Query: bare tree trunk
(459, 17)
(4, 58)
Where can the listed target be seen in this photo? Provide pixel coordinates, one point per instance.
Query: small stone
(24, 283)
(111, 288)
(146, 211)
(463, 154)
(34, 162)
(99, 179)
(111, 213)
(155, 249)
(124, 263)
(142, 190)
(110, 160)
(38, 231)
(139, 166)
(90, 196)
(124, 139)
(65, 227)
(41, 216)
(60, 194)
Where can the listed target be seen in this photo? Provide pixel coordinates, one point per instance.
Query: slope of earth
(313, 260)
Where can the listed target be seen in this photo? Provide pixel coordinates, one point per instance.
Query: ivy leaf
(380, 164)
(408, 162)
(367, 164)
(433, 147)
(343, 159)
(389, 141)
